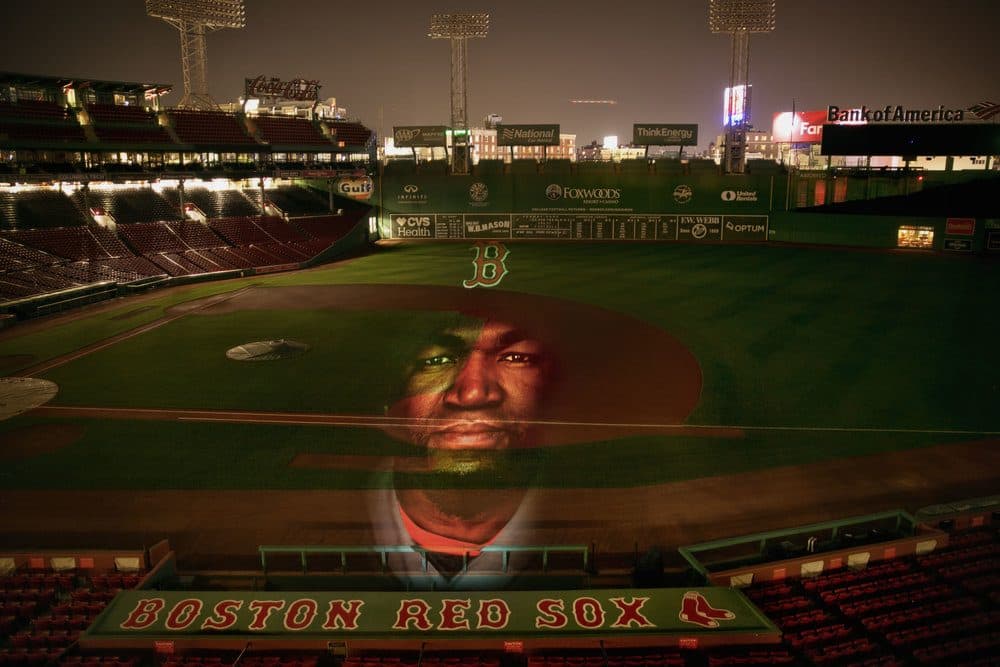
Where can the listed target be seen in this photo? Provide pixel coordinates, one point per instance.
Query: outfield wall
(613, 206)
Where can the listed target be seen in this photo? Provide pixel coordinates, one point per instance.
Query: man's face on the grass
(472, 391)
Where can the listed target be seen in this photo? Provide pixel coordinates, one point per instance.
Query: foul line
(131, 333)
(322, 419)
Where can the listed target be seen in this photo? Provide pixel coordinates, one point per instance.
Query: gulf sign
(355, 187)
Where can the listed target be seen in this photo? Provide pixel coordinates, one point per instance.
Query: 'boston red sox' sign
(158, 614)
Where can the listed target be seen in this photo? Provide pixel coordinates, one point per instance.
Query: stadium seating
(347, 134)
(126, 205)
(44, 123)
(209, 128)
(119, 124)
(289, 131)
(213, 203)
(38, 208)
(295, 201)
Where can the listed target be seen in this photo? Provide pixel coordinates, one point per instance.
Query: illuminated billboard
(800, 127)
(803, 127)
(736, 106)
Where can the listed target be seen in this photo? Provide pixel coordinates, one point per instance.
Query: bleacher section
(119, 124)
(127, 205)
(289, 131)
(38, 261)
(38, 208)
(295, 201)
(43, 612)
(30, 122)
(346, 134)
(213, 203)
(208, 128)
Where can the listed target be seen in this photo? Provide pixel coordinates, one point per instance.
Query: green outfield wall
(612, 206)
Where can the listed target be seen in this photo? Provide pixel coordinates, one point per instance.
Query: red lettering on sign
(960, 226)
(300, 614)
(144, 615)
(550, 614)
(588, 613)
(224, 615)
(493, 614)
(261, 610)
(183, 614)
(414, 611)
(339, 616)
(631, 612)
(453, 614)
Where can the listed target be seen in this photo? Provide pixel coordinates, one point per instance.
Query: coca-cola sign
(296, 89)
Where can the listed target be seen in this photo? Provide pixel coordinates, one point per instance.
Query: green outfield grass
(786, 337)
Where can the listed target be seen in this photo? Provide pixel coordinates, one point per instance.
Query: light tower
(194, 19)
(739, 18)
(459, 27)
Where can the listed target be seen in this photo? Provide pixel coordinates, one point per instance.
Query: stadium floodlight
(730, 16)
(739, 18)
(194, 19)
(459, 28)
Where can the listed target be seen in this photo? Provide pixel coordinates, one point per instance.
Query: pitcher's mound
(267, 350)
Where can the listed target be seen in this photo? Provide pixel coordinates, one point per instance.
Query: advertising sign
(658, 134)
(735, 101)
(296, 89)
(355, 187)
(527, 135)
(158, 614)
(419, 136)
(958, 245)
(960, 226)
(801, 127)
(580, 226)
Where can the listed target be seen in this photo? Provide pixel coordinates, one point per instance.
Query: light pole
(739, 18)
(195, 19)
(459, 28)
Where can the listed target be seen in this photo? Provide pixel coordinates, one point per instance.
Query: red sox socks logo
(490, 265)
(695, 609)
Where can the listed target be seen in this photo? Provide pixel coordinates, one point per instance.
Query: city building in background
(482, 142)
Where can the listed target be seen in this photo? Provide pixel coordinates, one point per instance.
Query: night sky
(655, 57)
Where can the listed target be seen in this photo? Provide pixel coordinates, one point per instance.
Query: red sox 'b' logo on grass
(490, 265)
(695, 609)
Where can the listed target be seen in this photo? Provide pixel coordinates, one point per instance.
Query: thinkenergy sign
(649, 134)
(380, 614)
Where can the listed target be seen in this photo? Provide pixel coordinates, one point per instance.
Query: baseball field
(703, 391)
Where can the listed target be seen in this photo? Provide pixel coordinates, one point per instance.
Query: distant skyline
(657, 59)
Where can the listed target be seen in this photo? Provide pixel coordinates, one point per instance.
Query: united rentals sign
(166, 614)
(658, 134)
(419, 136)
(296, 89)
(894, 114)
(527, 135)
